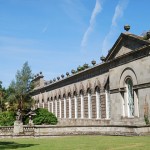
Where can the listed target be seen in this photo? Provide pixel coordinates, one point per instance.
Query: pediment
(126, 43)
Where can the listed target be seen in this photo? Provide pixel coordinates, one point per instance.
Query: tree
(2, 97)
(20, 89)
(43, 116)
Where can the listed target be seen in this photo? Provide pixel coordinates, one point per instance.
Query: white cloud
(97, 9)
(119, 10)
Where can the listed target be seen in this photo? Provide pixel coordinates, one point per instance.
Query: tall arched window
(98, 104)
(64, 96)
(82, 104)
(89, 104)
(130, 98)
(108, 103)
(75, 104)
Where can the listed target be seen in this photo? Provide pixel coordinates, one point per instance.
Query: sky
(56, 36)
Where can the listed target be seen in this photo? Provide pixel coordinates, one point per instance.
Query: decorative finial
(67, 73)
(93, 62)
(148, 35)
(62, 76)
(102, 58)
(127, 27)
(73, 71)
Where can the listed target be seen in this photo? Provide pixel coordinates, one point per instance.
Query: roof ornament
(127, 27)
(148, 35)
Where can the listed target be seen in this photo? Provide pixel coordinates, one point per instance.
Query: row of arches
(77, 103)
(71, 90)
(92, 99)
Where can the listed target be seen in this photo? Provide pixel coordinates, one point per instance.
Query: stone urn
(67, 73)
(93, 62)
(127, 27)
(79, 68)
(73, 71)
(85, 65)
(148, 35)
(102, 58)
(62, 76)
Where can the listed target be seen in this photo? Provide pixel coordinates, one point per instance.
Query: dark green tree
(20, 88)
(2, 97)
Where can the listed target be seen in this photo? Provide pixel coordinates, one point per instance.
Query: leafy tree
(20, 88)
(7, 118)
(2, 97)
(43, 116)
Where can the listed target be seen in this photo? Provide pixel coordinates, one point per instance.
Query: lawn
(78, 143)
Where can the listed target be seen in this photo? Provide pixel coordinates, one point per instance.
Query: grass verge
(78, 143)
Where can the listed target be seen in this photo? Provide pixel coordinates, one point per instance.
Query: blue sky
(55, 36)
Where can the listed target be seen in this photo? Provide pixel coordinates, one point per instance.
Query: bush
(7, 118)
(43, 116)
(146, 119)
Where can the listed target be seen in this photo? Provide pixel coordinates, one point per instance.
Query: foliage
(2, 97)
(25, 117)
(7, 118)
(20, 89)
(146, 119)
(43, 116)
(145, 37)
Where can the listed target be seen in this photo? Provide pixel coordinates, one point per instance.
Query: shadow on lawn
(13, 145)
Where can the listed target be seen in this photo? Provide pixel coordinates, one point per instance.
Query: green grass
(78, 143)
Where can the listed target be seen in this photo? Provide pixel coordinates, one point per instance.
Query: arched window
(64, 96)
(108, 104)
(89, 103)
(70, 105)
(75, 104)
(82, 104)
(98, 104)
(130, 98)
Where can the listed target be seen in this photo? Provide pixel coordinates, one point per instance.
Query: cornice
(96, 70)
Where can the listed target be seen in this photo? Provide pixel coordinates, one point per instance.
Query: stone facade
(114, 92)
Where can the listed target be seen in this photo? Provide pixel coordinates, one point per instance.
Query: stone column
(48, 105)
(123, 103)
(38, 104)
(62, 108)
(56, 108)
(52, 107)
(103, 102)
(136, 106)
(43, 103)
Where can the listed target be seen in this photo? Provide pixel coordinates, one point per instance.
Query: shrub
(43, 116)
(7, 118)
(146, 119)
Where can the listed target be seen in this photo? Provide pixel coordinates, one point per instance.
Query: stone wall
(39, 131)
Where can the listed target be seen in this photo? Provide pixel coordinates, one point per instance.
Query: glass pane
(130, 97)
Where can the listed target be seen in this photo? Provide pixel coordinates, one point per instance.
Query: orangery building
(113, 92)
